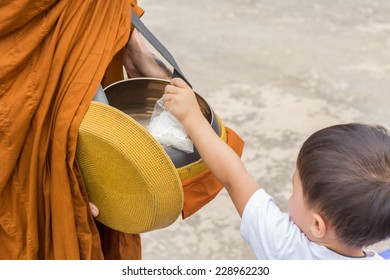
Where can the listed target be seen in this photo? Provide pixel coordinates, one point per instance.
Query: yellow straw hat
(128, 175)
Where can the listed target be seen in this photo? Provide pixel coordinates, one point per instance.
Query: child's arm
(222, 161)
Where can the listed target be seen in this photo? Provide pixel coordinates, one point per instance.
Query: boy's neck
(348, 252)
(330, 241)
(341, 249)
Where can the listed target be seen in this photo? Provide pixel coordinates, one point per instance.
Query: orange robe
(53, 56)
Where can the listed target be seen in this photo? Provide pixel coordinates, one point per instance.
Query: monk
(54, 56)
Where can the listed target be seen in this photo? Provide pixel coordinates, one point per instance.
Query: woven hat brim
(128, 175)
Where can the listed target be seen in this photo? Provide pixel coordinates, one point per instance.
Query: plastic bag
(167, 130)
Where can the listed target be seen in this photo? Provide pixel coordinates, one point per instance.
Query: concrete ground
(275, 72)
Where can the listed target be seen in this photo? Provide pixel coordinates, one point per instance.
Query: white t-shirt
(272, 235)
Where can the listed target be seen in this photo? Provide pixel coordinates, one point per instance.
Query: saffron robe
(53, 56)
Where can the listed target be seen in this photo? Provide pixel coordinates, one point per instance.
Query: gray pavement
(275, 72)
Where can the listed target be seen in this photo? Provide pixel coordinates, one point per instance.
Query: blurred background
(275, 72)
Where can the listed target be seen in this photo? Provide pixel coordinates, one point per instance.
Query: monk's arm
(141, 62)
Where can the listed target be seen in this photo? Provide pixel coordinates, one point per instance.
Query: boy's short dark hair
(345, 175)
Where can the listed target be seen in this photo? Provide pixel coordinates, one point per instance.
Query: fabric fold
(54, 56)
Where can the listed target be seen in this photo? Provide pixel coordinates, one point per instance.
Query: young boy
(341, 188)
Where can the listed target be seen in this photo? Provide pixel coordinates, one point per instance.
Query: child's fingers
(169, 89)
(165, 98)
(179, 83)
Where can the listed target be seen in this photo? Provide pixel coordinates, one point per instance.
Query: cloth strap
(148, 35)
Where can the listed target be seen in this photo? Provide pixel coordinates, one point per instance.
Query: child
(341, 188)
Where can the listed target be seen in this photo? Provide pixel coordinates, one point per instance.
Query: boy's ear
(318, 226)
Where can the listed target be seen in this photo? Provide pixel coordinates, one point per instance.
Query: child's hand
(181, 101)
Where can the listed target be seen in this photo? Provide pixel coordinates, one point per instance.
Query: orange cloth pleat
(127, 246)
(204, 187)
(53, 57)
